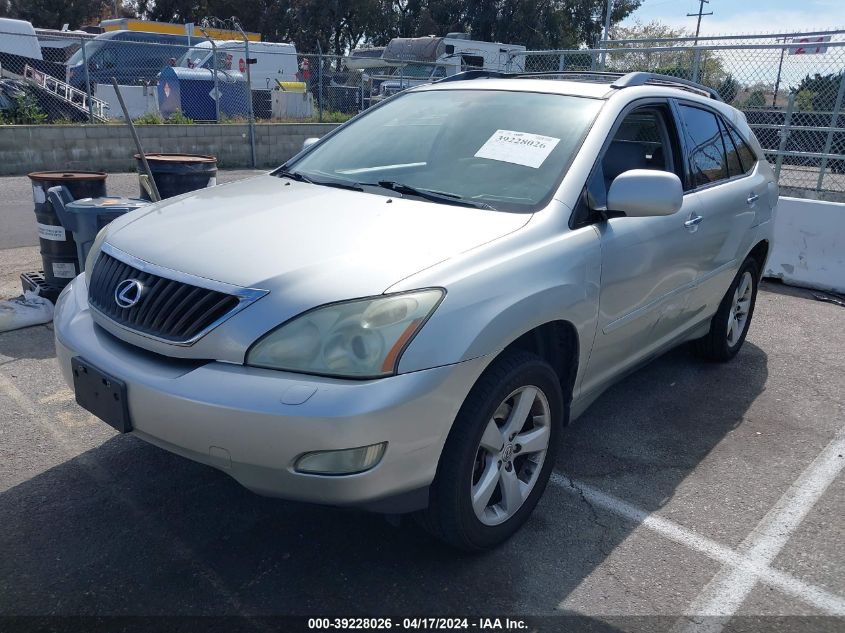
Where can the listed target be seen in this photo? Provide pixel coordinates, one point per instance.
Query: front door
(648, 264)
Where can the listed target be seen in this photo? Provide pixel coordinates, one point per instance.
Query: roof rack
(621, 80)
(643, 78)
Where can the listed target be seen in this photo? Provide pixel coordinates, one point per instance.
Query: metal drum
(179, 173)
(58, 248)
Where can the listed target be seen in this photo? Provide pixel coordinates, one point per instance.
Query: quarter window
(707, 161)
(733, 160)
(746, 155)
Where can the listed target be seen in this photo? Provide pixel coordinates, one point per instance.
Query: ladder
(66, 93)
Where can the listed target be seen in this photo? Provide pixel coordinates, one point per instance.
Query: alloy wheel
(738, 316)
(510, 455)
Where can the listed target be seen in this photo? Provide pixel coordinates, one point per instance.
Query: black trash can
(179, 173)
(58, 248)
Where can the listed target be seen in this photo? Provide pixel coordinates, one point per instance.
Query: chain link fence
(790, 90)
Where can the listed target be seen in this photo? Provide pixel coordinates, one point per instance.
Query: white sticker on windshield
(520, 148)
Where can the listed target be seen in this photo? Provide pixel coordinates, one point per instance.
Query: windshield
(508, 150)
(421, 71)
(91, 47)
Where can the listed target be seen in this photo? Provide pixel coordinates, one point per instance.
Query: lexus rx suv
(405, 316)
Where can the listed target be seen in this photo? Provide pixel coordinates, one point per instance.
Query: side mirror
(309, 142)
(641, 193)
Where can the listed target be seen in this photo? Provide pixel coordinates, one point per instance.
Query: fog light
(345, 462)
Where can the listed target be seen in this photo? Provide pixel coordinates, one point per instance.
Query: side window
(439, 72)
(746, 155)
(731, 153)
(469, 62)
(645, 139)
(707, 162)
(641, 142)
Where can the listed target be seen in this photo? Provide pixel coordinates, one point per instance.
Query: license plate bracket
(101, 393)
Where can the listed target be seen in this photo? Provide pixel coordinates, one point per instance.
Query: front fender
(505, 290)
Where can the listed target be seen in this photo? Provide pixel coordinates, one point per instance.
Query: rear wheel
(729, 326)
(499, 454)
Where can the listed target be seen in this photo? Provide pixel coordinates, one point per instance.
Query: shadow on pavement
(127, 528)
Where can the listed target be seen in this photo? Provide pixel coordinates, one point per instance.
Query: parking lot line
(755, 568)
(728, 589)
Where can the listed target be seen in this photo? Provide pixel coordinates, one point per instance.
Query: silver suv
(405, 316)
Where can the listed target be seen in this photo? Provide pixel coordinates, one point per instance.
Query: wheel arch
(556, 342)
(759, 253)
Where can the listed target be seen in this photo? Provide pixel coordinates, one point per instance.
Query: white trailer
(420, 60)
(273, 61)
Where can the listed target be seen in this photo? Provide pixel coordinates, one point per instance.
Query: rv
(421, 60)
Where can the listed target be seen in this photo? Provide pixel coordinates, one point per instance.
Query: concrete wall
(809, 244)
(26, 148)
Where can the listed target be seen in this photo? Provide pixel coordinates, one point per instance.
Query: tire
(513, 383)
(721, 345)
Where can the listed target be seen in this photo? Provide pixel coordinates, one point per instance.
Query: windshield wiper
(293, 175)
(299, 177)
(428, 194)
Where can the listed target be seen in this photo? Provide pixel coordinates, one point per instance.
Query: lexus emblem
(128, 293)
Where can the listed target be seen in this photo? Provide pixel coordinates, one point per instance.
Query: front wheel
(499, 454)
(729, 326)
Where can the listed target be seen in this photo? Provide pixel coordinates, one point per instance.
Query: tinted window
(746, 154)
(707, 161)
(733, 160)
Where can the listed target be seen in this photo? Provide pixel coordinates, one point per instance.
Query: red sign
(809, 45)
(242, 64)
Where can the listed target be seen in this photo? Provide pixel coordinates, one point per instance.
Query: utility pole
(606, 34)
(700, 13)
(780, 69)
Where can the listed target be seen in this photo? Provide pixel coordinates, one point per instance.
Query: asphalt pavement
(687, 489)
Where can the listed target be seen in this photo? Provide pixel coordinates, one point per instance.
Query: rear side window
(707, 160)
(746, 155)
(735, 167)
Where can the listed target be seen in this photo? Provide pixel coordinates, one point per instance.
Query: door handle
(752, 198)
(694, 221)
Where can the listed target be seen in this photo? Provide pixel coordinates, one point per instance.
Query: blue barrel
(191, 91)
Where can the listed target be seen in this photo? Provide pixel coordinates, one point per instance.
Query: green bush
(149, 118)
(25, 111)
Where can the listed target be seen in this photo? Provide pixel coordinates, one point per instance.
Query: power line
(700, 13)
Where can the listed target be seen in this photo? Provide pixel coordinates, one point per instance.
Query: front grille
(167, 309)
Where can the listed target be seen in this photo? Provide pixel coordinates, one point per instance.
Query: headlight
(360, 338)
(94, 252)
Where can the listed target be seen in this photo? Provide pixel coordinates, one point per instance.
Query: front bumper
(233, 417)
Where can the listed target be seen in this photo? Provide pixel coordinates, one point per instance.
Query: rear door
(728, 194)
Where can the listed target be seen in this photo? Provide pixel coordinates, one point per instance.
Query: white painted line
(820, 598)
(728, 589)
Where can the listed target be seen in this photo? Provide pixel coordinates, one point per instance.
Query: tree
(756, 99)
(728, 88)
(823, 88)
(52, 14)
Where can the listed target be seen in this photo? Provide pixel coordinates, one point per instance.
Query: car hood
(315, 242)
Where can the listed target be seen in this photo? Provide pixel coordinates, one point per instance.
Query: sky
(746, 16)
